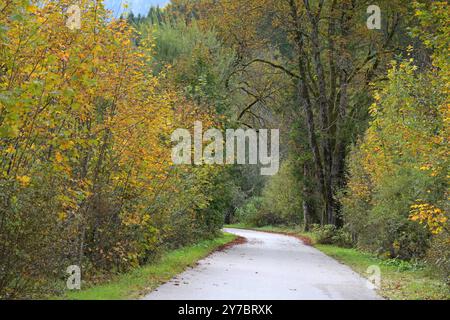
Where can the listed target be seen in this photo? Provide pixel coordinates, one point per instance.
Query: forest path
(268, 266)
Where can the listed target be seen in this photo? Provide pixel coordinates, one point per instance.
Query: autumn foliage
(396, 200)
(85, 176)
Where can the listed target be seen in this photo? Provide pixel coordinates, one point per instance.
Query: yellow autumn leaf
(62, 216)
(24, 180)
(10, 149)
(58, 157)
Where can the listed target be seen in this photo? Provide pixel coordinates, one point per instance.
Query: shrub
(249, 212)
(330, 234)
(324, 234)
(343, 238)
(402, 160)
(439, 255)
(281, 201)
(381, 218)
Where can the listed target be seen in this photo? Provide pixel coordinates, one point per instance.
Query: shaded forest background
(86, 118)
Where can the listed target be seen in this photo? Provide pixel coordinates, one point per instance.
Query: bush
(438, 255)
(248, 213)
(281, 201)
(343, 238)
(324, 234)
(402, 160)
(254, 214)
(329, 234)
(381, 218)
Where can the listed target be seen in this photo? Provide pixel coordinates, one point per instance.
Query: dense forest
(86, 118)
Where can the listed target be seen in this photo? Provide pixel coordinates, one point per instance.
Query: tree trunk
(307, 214)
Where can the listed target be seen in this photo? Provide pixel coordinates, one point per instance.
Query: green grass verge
(396, 284)
(143, 280)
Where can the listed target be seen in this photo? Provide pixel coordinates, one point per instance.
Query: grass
(143, 280)
(396, 284)
(399, 280)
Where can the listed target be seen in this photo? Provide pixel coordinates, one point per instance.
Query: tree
(330, 56)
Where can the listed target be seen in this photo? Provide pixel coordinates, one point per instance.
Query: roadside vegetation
(86, 117)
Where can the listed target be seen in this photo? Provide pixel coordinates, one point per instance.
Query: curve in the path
(267, 267)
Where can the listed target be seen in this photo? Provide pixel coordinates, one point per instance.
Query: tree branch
(274, 65)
